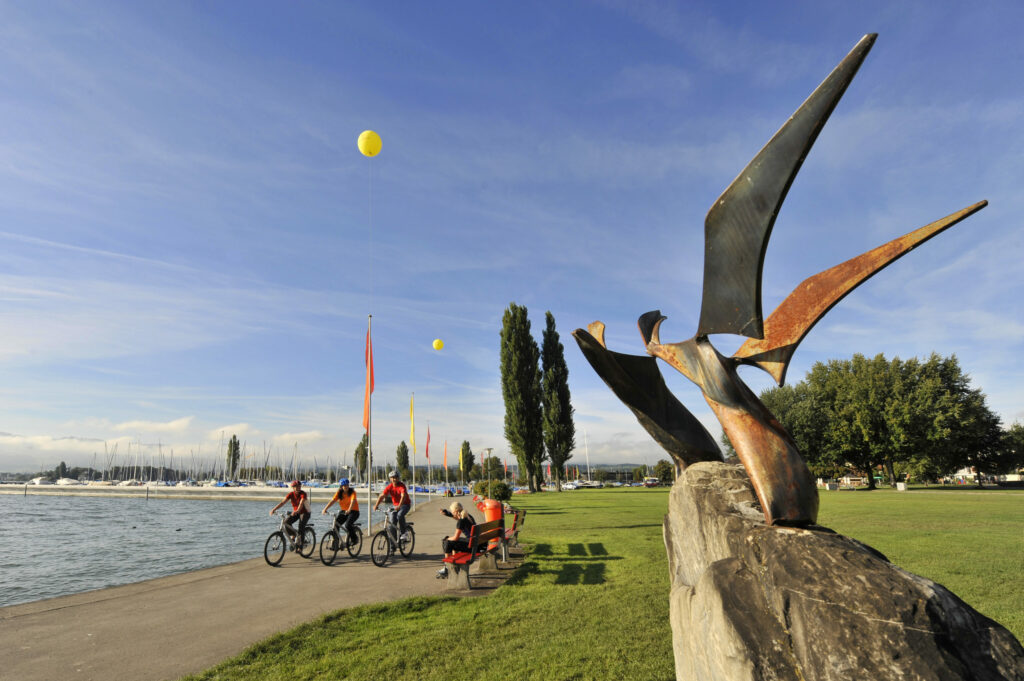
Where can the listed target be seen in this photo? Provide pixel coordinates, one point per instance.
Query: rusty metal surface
(736, 236)
(816, 295)
(637, 381)
(739, 223)
(780, 477)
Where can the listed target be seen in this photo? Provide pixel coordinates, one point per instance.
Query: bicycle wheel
(380, 549)
(356, 544)
(308, 542)
(406, 542)
(329, 546)
(274, 549)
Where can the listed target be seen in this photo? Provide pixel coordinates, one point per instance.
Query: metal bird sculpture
(736, 233)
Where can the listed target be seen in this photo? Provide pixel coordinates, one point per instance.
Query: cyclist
(348, 505)
(399, 494)
(300, 511)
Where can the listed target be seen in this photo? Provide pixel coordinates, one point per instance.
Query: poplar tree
(559, 429)
(360, 457)
(234, 453)
(466, 459)
(520, 389)
(402, 457)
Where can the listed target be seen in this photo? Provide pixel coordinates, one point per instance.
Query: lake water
(59, 545)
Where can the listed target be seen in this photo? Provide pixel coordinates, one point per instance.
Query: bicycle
(280, 541)
(387, 541)
(332, 541)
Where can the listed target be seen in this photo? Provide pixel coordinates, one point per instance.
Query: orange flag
(446, 454)
(369, 382)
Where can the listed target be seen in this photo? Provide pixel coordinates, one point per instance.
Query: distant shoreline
(317, 494)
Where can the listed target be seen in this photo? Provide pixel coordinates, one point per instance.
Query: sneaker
(442, 573)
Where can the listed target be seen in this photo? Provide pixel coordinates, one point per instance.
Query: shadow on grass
(574, 573)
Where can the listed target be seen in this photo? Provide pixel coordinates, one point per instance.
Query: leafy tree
(919, 418)
(467, 459)
(493, 468)
(558, 426)
(520, 388)
(638, 473)
(663, 470)
(360, 457)
(1012, 457)
(61, 471)
(402, 457)
(234, 454)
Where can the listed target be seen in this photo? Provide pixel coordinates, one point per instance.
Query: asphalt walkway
(169, 627)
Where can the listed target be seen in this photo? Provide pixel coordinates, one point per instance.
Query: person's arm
(274, 510)
(330, 503)
(405, 496)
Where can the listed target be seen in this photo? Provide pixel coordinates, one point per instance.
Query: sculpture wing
(637, 381)
(815, 296)
(739, 223)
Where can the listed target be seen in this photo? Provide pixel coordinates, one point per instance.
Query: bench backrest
(483, 533)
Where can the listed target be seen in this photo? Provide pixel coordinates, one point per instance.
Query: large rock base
(756, 602)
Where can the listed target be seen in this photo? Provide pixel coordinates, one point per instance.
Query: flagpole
(369, 425)
(412, 436)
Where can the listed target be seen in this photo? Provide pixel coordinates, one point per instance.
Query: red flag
(506, 466)
(369, 382)
(549, 470)
(428, 442)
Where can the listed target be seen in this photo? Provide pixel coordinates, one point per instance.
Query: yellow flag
(412, 425)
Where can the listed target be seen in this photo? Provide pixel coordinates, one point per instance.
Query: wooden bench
(479, 539)
(511, 538)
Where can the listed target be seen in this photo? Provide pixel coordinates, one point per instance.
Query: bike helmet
(295, 483)
(393, 474)
(342, 482)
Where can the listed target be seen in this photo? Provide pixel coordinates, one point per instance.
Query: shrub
(498, 490)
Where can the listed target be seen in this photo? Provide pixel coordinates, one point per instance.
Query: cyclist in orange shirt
(348, 505)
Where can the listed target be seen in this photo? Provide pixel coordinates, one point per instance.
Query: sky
(191, 242)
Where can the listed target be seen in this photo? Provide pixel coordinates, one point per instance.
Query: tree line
(913, 419)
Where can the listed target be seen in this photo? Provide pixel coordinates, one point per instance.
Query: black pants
(303, 518)
(454, 546)
(346, 521)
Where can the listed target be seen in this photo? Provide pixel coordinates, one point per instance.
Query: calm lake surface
(59, 545)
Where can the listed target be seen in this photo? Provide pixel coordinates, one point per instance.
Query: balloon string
(371, 233)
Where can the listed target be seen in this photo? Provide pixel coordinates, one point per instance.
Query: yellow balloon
(369, 143)
(438, 343)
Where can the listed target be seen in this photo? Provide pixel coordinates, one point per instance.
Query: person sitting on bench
(458, 542)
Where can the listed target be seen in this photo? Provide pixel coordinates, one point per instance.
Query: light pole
(487, 455)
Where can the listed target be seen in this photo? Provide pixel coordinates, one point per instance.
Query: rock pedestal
(755, 602)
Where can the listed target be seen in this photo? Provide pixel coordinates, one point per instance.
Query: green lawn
(592, 600)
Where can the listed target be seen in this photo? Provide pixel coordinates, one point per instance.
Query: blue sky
(190, 242)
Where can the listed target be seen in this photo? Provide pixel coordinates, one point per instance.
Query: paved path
(172, 626)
